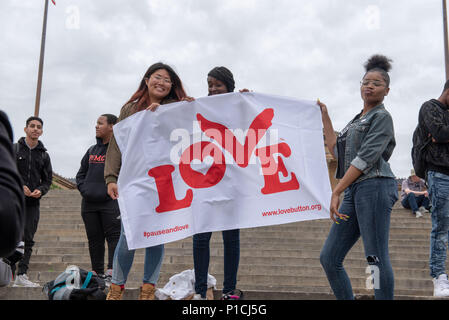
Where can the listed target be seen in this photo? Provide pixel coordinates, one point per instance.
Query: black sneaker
(105, 277)
(235, 294)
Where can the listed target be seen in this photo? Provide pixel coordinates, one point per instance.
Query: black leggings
(102, 222)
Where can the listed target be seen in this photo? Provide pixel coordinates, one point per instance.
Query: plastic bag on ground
(182, 286)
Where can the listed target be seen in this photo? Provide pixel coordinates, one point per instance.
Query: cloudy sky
(97, 52)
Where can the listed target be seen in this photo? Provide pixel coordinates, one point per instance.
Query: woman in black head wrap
(220, 80)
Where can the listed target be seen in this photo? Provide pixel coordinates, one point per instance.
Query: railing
(62, 182)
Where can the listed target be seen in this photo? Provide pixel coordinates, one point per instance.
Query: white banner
(223, 162)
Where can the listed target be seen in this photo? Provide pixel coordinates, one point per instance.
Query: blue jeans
(123, 260)
(412, 201)
(368, 205)
(201, 256)
(439, 195)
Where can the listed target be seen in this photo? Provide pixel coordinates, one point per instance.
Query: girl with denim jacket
(362, 150)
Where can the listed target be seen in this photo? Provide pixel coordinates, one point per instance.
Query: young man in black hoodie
(34, 165)
(101, 214)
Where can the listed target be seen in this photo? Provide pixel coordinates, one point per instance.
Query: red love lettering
(271, 169)
(230, 143)
(226, 139)
(201, 150)
(166, 191)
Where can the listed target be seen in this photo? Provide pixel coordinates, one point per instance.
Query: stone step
(288, 229)
(421, 223)
(60, 263)
(247, 265)
(75, 200)
(424, 222)
(133, 294)
(259, 258)
(298, 233)
(274, 243)
(72, 206)
(306, 279)
(250, 244)
(312, 250)
(258, 239)
(305, 293)
(63, 223)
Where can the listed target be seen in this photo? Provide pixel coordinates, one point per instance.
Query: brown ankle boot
(147, 291)
(115, 292)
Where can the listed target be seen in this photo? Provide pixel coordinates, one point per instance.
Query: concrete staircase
(277, 262)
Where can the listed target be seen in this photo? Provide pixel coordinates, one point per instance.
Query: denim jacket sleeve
(379, 134)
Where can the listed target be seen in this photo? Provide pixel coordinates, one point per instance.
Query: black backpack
(421, 139)
(75, 284)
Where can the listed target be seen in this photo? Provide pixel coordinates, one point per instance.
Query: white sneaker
(423, 210)
(197, 296)
(418, 214)
(441, 286)
(22, 281)
(108, 278)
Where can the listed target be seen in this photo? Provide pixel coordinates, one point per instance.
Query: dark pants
(32, 214)
(412, 201)
(201, 256)
(368, 204)
(102, 223)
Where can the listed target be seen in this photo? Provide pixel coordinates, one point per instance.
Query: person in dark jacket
(434, 118)
(362, 149)
(34, 165)
(101, 214)
(220, 80)
(12, 204)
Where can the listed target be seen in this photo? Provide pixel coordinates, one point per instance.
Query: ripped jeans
(439, 195)
(368, 204)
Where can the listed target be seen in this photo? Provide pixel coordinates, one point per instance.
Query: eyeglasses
(375, 83)
(159, 78)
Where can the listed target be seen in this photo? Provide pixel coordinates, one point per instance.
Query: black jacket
(435, 117)
(11, 193)
(90, 176)
(35, 168)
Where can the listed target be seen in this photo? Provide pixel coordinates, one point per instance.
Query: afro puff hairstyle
(381, 64)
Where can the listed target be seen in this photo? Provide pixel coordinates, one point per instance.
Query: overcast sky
(97, 52)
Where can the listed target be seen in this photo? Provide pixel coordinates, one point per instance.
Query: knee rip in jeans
(440, 245)
(372, 260)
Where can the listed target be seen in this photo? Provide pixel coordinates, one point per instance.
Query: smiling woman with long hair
(159, 85)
